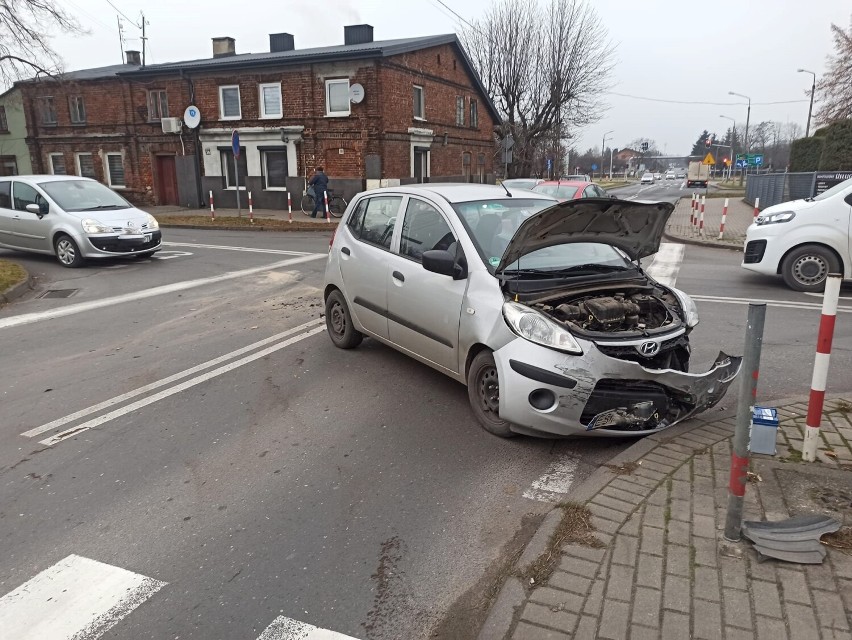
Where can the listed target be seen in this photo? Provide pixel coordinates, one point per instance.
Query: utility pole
(811, 108)
(747, 145)
(603, 152)
(144, 39)
(120, 37)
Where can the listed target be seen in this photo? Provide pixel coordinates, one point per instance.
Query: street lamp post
(603, 150)
(733, 151)
(811, 108)
(747, 145)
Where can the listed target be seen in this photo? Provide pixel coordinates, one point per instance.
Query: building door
(167, 190)
(421, 163)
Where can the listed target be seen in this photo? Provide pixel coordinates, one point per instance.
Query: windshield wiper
(580, 267)
(104, 206)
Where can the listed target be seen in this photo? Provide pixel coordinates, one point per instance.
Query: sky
(663, 49)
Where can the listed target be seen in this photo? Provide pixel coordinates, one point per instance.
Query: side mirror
(445, 263)
(38, 209)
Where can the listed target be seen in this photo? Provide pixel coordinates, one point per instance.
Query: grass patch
(260, 224)
(841, 539)
(575, 527)
(11, 274)
(793, 456)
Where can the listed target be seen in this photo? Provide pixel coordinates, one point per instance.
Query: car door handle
(345, 251)
(399, 276)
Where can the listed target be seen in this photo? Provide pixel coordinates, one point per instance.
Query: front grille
(614, 394)
(143, 227)
(673, 354)
(754, 251)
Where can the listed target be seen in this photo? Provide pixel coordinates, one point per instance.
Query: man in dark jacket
(319, 182)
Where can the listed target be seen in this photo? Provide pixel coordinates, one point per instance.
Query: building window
(229, 103)
(337, 97)
(158, 105)
(48, 110)
(227, 156)
(460, 111)
(419, 103)
(474, 114)
(78, 110)
(275, 168)
(115, 170)
(466, 165)
(8, 166)
(4, 124)
(57, 164)
(85, 165)
(270, 100)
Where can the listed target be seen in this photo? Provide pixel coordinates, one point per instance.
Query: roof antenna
(506, 189)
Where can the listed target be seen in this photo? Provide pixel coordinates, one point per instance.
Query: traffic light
(707, 142)
(726, 161)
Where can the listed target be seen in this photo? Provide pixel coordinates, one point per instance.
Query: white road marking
(288, 629)
(666, 264)
(71, 309)
(229, 248)
(555, 482)
(55, 424)
(183, 386)
(169, 255)
(783, 304)
(77, 598)
(819, 295)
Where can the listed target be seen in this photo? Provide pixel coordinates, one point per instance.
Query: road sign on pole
(709, 159)
(235, 147)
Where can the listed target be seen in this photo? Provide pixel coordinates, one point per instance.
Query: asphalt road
(185, 419)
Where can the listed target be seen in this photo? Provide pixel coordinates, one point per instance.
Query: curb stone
(249, 228)
(17, 290)
(512, 595)
(700, 243)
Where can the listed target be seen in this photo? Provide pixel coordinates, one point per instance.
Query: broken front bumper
(545, 392)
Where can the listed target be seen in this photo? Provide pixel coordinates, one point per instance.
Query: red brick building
(371, 113)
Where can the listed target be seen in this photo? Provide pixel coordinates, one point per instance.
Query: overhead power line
(130, 20)
(700, 102)
(450, 9)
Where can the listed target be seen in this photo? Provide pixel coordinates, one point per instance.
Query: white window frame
(336, 114)
(222, 115)
(109, 171)
(460, 107)
(474, 113)
(77, 157)
(155, 98)
(263, 113)
(51, 156)
(422, 105)
(80, 104)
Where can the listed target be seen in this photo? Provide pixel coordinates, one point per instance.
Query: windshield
(838, 188)
(520, 184)
(562, 192)
(84, 195)
(491, 224)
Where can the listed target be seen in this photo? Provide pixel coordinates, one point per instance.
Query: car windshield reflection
(84, 195)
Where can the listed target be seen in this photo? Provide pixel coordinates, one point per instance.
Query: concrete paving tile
(678, 532)
(705, 552)
(793, 586)
(562, 600)
(620, 583)
(641, 633)
(844, 588)
(645, 481)
(657, 467)
(737, 608)
(625, 550)
(842, 564)
(651, 474)
(646, 607)
(767, 599)
(703, 504)
(658, 497)
(578, 566)
(819, 576)
(649, 572)
(603, 526)
(733, 572)
(613, 503)
(525, 631)
(676, 594)
(732, 633)
(595, 599)
(547, 617)
(620, 494)
(704, 526)
(835, 634)
(655, 516)
(582, 551)
(671, 460)
(677, 560)
(830, 610)
(587, 627)
(652, 540)
(760, 570)
(771, 629)
(631, 525)
(801, 620)
(682, 489)
(569, 582)
(706, 620)
(614, 620)
(706, 584)
(606, 513)
(681, 510)
(675, 626)
(626, 486)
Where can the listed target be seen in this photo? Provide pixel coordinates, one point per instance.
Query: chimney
(133, 57)
(357, 34)
(223, 47)
(281, 42)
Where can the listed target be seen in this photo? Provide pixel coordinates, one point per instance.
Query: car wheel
(483, 390)
(338, 321)
(67, 252)
(807, 267)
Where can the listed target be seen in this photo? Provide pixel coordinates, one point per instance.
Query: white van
(803, 240)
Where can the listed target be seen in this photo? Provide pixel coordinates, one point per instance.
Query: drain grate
(58, 293)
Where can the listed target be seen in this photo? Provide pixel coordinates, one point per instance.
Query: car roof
(455, 191)
(564, 183)
(41, 178)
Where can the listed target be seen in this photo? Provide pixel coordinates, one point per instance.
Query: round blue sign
(594, 167)
(235, 143)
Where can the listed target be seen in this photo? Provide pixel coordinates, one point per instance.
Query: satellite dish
(356, 93)
(192, 116)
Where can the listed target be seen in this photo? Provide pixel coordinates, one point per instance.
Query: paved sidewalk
(164, 212)
(740, 216)
(662, 568)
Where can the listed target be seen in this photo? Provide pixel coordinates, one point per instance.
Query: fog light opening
(542, 399)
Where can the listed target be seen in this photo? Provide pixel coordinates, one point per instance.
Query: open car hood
(634, 227)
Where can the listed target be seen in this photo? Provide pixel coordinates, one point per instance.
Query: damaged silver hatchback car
(540, 308)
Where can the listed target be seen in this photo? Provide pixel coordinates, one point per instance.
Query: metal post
(237, 180)
(820, 375)
(745, 404)
(251, 210)
(747, 145)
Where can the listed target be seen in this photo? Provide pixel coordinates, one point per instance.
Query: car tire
(806, 268)
(338, 322)
(67, 252)
(483, 391)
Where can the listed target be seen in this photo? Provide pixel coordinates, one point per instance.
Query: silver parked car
(539, 307)
(74, 219)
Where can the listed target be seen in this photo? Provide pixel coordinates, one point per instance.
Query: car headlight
(153, 225)
(687, 305)
(93, 226)
(537, 327)
(776, 218)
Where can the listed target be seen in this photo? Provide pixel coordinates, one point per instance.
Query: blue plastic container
(764, 430)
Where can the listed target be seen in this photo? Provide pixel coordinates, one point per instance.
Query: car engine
(639, 312)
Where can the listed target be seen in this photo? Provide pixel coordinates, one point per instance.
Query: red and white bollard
(692, 211)
(820, 377)
(289, 208)
(212, 210)
(325, 202)
(724, 217)
(701, 216)
(756, 207)
(251, 211)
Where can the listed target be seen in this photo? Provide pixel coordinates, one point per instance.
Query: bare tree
(25, 28)
(834, 90)
(544, 68)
